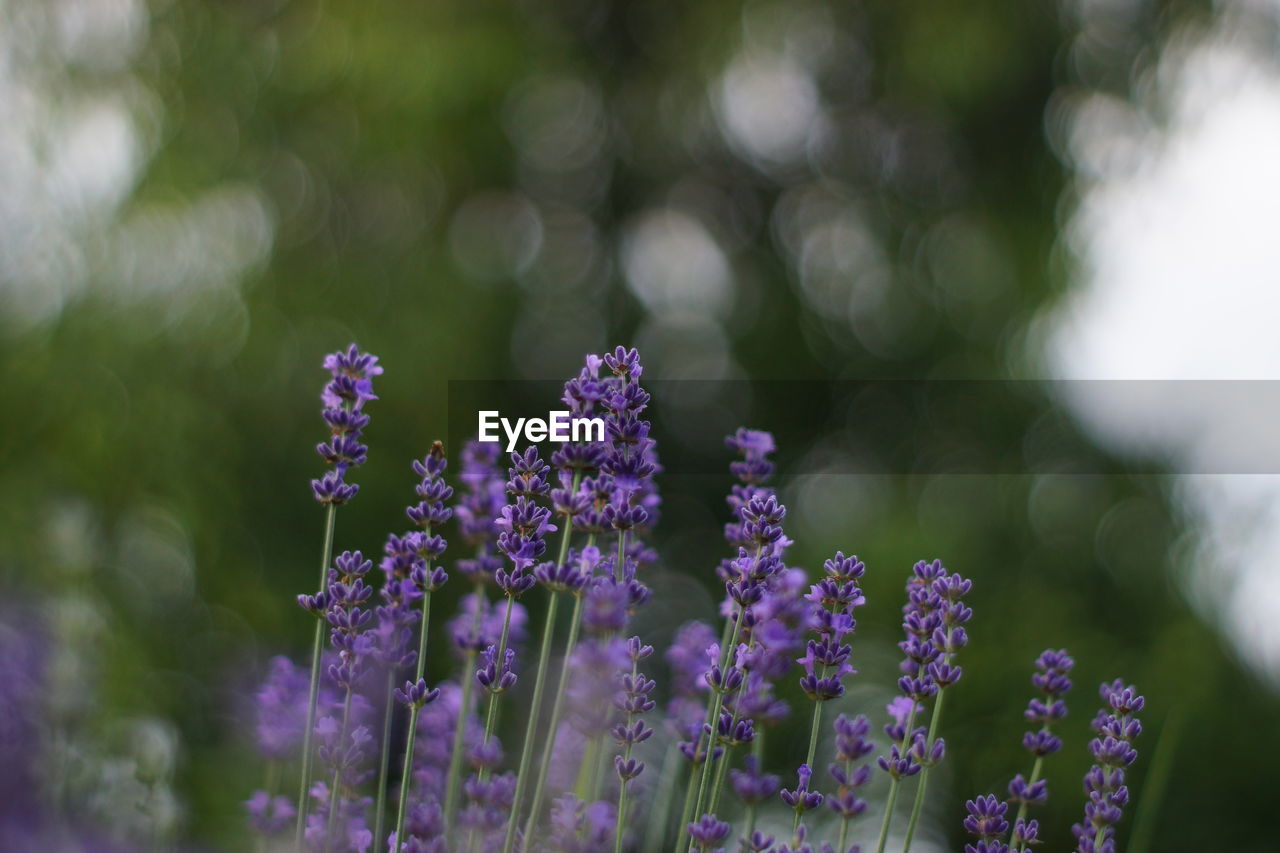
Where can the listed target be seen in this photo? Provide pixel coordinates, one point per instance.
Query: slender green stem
(406, 774)
(1144, 817)
(895, 783)
(531, 727)
(656, 829)
(1022, 807)
(844, 820)
(535, 710)
(622, 788)
(722, 763)
(597, 766)
(557, 710)
(918, 805)
(337, 774)
(492, 715)
(814, 725)
(586, 766)
(686, 814)
(621, 562)
(453, 782)
(317, 647)
(717, 701)
(384, 760)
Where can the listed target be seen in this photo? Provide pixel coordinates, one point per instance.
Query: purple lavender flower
(752, 785)
(1112, 749)
(1051, 678)
(350, 387)
(986, 822)
(852, 746)
(801, 799)
(833, 601)
(708, 831)
(479, 508)
(280, 707)
(578, 827)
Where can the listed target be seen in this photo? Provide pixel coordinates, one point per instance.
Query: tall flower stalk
(852, 746)
(946, 595)
(1051, 679)
(1116, 726)
(350, 386)
(426, 547)
(478, 511)
(632, 701)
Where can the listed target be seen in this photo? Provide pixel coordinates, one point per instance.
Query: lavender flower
(933, 621)
(1112, 749)
(479, 508)
(1053, 682)
(707, 832)
(280, 707)
(986, 822)
(350, 387)
(632, 701)
(578, 827)
(421, 548)
(852, 746)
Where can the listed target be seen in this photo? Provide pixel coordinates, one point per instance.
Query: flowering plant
(369, 717)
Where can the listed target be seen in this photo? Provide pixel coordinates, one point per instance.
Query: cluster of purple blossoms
(483, 497)
(852, 745)
(344, 397)
(833, 601)
(986, 822)
(1052, 680)
(722, 691)
(1116, 727)
(933, 621)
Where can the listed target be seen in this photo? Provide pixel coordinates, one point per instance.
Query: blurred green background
(204, 198)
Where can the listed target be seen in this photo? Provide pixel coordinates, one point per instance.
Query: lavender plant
(350, 386)
(457, 790)
(1053, 682)
(1117, 726)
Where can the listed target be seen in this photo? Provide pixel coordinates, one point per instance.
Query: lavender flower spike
(935, 604)
(1053, 682)
(1117, 727)
(350, 386)
(424, 547)
(986, 822)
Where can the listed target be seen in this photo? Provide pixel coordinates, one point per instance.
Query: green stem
(895, 783)
(531, 727)
(844, 820)
(622, 788)
(657, 828)
(535, 710)
(1022, 807)
(918, 805)
(1144, 818)
(686, 814)
(337, 774)
(722, 764)
(557, 710)
(492, 715)
(453, 781)
(384, 761)
(406, 774)
(814, 725)
(317, 647)
(717, 701)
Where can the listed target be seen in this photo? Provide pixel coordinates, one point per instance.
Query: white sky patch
(1177, 236)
